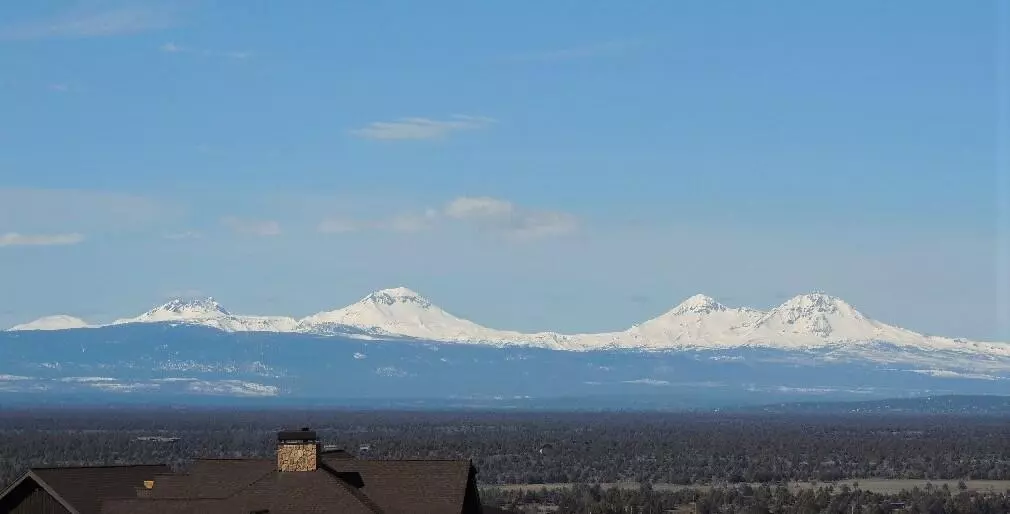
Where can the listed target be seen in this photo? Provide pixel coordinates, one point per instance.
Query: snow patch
(209, 313)
(942, 373)
(390, 371)
(648, 381)
(56, 322)
(232, 388)
(118, 387)
(14, 378)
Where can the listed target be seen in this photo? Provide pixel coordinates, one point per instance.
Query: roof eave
(41, 483)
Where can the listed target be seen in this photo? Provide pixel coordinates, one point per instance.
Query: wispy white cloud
(16, 239)
(82, 22)
(252, 227)
(506, 217)
(188, 234)
(421, 128)
(485, 213)
(539, 224)
(470, 207)
(173, 48)
(604, 49)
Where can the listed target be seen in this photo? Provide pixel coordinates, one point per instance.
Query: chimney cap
(303, 435)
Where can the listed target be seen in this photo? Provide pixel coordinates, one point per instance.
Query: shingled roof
(254, 487)
(83, 489)
(416, 486)
(303, 478)
(340, 485)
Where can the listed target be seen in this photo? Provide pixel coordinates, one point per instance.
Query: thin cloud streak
(485, 213)
(505, 217)
(467, 207)
(421, 128)
(16, 239)
(172, 48)
(126, 20)
(189, 234)
(252, 227)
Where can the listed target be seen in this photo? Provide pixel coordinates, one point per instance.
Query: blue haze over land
(162, 363)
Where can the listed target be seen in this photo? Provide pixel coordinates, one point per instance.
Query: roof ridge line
(100, 466)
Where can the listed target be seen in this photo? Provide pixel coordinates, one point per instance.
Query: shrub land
(691, 458)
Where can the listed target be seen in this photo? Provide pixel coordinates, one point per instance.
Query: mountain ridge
(803, 322)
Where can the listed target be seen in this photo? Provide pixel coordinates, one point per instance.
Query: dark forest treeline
(584, 499)
(507, 447)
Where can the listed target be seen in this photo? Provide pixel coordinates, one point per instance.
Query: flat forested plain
(519, 454)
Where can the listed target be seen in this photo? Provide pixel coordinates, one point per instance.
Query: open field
(875, 485)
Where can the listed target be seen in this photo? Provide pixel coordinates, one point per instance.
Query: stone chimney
(297, 450)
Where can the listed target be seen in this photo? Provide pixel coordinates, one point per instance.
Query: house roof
(416, 486)
(339, 485)
(84, 488)
(316, 492)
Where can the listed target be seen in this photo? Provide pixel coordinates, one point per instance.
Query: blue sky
(529, 165)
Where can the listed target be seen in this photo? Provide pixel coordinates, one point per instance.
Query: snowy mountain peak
(398, 311)
(207, 312)
(185, 309)
(814, 304)
(698, 304)
(810, 319)
(56, 322)
(397, 295)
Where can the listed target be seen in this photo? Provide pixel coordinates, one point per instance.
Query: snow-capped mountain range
(808, 321)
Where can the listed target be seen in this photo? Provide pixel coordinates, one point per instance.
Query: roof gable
(82, 489)
(30, 481)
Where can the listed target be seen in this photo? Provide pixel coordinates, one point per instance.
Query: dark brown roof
(316, 492)
(415, 486)
(340, 485)
(212, 478)
(164, 507)
(85, 487)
